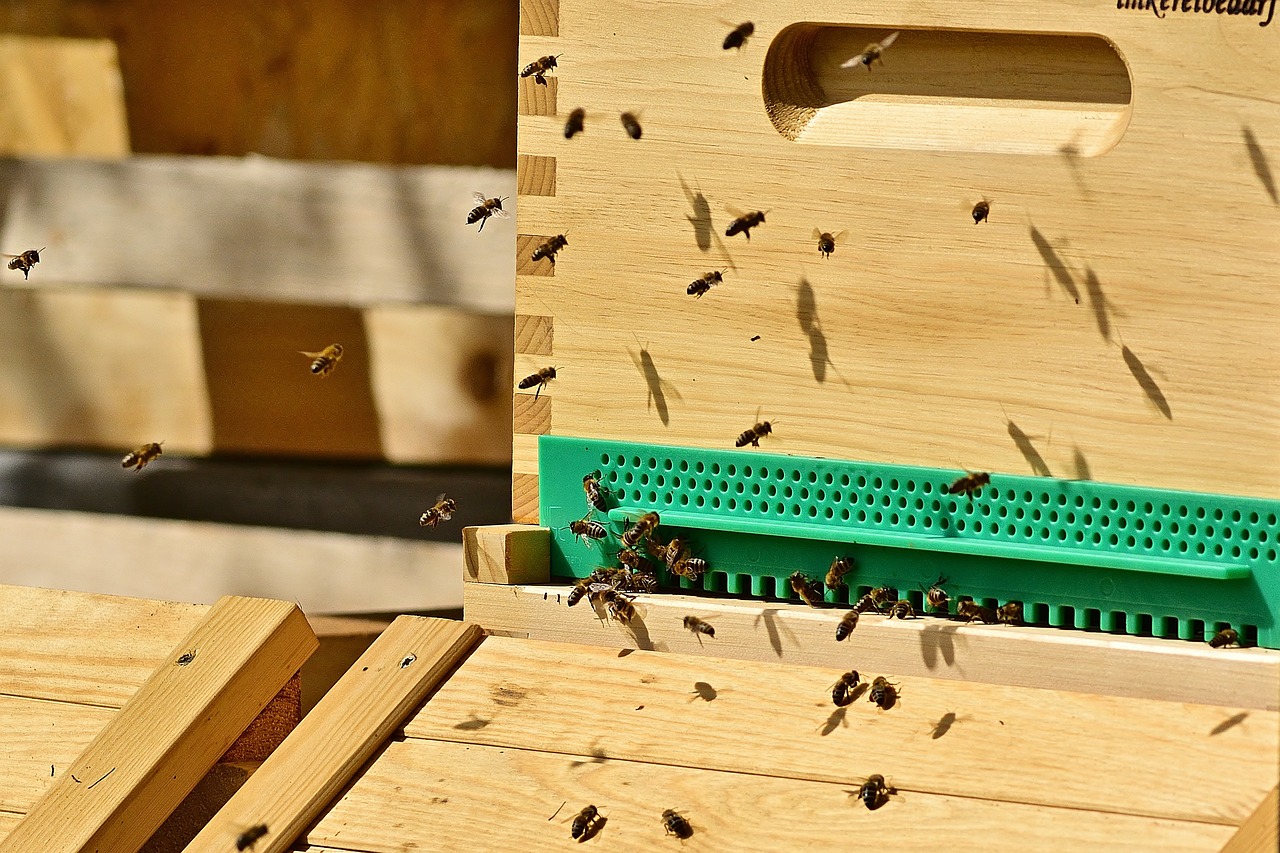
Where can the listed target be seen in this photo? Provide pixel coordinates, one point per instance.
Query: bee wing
(841, 235)
(888, 40)
(854, 61)
(479, 197)
(440, 497)
(310, 354)
(7, 255)
(817, 233)
(499, 212)
(735, 212)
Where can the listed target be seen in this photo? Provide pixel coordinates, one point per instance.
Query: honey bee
(587, 530)
(443, 510)
(873, 600)
(676, 825)
(809, 591)
(138, 459)
(970, 484)
(846, 626)
(645, 581)
(974, 612)
(883, 693)
(827, 241)
(25, 261)
(744, 223)
(325, 361)
(699, 626)
(1010, 613)
(702, 285)
(250, 836)
(842, 690)
(549, 248)
(874, 792)
(643, 526)
(631, 558)
(539, 68)
(752, 436)
(616, 604)
(902, 609)
(584, 823)
(186, 658)
(690, 567)
(1224, 638)
(486, 207)
(840, 567)
(871, 53)
(579, 590)
(738, 37)
(594, 491)
(541, 378)
(936, 596)
(574, 125)
(980, 211)
(632, 125)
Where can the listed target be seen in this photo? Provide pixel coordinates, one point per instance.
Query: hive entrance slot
(948, 90)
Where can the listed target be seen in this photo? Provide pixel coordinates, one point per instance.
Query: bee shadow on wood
(1102, 309)
(1053, 261)
(1028, 450)
(944, 724)
(1260, 165)
(701, 218)
(704, 691)
(807, 316)
(1081, 464)
(835, 721)
(473, 724)
(598, 756)
(1146, 381)
(658, 387)
(1071, 154)
(938, 640)
(640, 634)
(771, 625)
(593, 828)
(1229, 723)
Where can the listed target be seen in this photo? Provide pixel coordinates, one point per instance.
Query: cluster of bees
(589, 821)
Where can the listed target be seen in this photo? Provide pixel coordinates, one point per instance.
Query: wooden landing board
(1051, 337)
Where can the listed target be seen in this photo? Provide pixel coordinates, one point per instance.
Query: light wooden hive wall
(1114, 319)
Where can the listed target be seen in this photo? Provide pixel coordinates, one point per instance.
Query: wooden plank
(1136, 667)
(533, 99)
(42, 741)
(1261, 830)
(539, 17)
(498, 799)
(324, 572)
(1003, 743)
(535, 175)
(158, 747)
(532, 415)
(524, 497)
(534, 335)
(506, 554)
(291, 788)
(342, 640)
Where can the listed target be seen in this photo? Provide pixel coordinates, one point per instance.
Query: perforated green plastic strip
(1077, 553)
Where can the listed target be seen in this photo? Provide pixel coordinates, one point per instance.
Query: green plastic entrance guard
(1076, 553)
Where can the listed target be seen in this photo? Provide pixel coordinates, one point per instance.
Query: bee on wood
(594, 491)
(643, 526)
(874, 600)
(871, 53)
(1010, 613)
(827, 241)
(809, 591)
(980, 211)
(676, 825)
(842, 690)
(486, 207)
(738, 37)
(936, 596)
(587, 530)
(579, 590)
(616, 604)
(699, 626)
(540, 68)
(1225, 637)
(972, 611)
(744, 223)
(752, 436)
(442, 510)
(138, 459)
(902, 609)
(701, 285)
(970, 484)
(874, 792)
(584, 823)
(631, 124)
(574, 125)
(840, 567)
(549, 248)
(883, 693)
(186, 658)
(846, 626)
(250, 836)
(25, 261)
(325, 361)
(541, 378)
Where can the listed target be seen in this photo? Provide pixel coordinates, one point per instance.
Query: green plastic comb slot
(1079, 554)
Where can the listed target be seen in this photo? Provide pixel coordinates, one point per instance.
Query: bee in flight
(443, 510)
(541, 378)
(676, 825)
(325, 361)
(138, 459)
(980, 211)
(842, 690)
(631, 124)
(936, 596)
(574, 125)
(744, 222)
(617, 605)
(840, 567)
(827, 241)
(874, 792)
(644, 526)
(871, 53)
(847, 624)
(883, 693)
(587, 530)
(699, 626)
(549, 248)
(738, 37)
(540, 68)
(1224, 638)
(702, 285)
(250, 836)
(752, 436)
(594, 491)
(486, 207)
(584, 824)
(25, 261)
(809, 591)
(970, 484)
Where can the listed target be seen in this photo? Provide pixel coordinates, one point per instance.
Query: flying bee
(1010, 613)
(539, 68)
(549, 248)
(970, 484)
(809, 591)
(883, 693)
(443, 510)
(673, 822)
(250, 836)
(874, 792)
(594, 491)
(616, 604)
(980, 211)
(752, 436)
(846, 626)
(840, 567)
(541, 378)
(699, 626)
(25, 261)
(138, 459)
(579, 589)
(574, 125)
(744, 223)
(842, 690)
(738, 37)
(325, 361)
(643, 526)
(702, 285)
(902, 609)
(486, 207)
(871, 53)
(827, 241)
(972, 611)
(587, 530)
(584, 822)
(1224, 638)
(631, 124)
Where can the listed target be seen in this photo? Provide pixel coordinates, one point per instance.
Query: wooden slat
(506, 554)
(1137, 667)
(1261, 830)
(155, 750)
(524, 498)
(535, 175)
(353, 720)
(539, 17)
(532, 415)
(42, 740)
(534, 334)
(1006, 743)
(534, 99)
